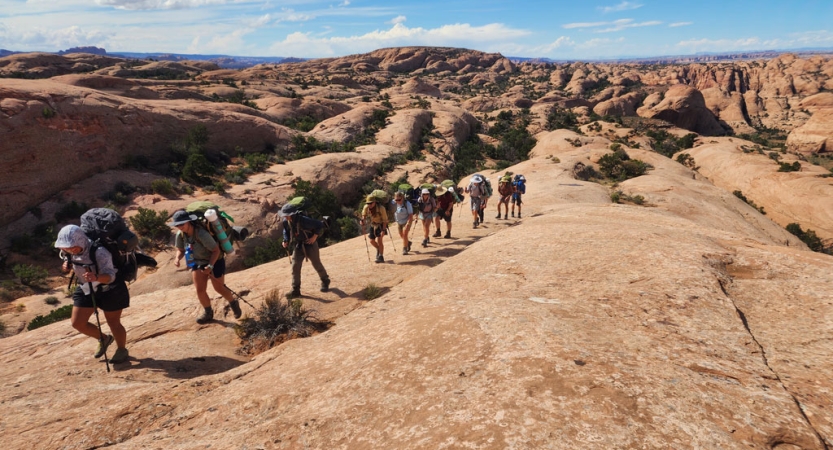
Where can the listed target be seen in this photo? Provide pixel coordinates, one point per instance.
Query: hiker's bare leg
(201, 283)
(426, 228)
(114, 322)
(81, 321)
(380, 243)
(219, 285)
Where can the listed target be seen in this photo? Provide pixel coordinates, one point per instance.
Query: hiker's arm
(179, 243)
(106, 273)
(215, 255)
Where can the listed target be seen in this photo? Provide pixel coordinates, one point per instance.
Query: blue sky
(312, 28)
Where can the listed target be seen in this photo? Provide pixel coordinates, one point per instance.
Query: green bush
(349, 227)
(48, 112)
(562, 118)
(740, 195)
(687, 160)
(30, 275)
(197, 169)
(809, 237)
(149, 223)
(276, 321)
(56, 315)
(258, 162)
(372, 291)
(667, 144)
(618, 166)
(794, 167)
(162, 186)
(51, 300)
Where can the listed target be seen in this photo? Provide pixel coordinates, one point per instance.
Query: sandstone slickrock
(685, 107)
(586, 324)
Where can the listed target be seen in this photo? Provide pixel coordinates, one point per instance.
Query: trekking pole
(366, 247)
(239, 296)
(391, 238)
(98, 322)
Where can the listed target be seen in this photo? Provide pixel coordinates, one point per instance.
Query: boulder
(686, 108)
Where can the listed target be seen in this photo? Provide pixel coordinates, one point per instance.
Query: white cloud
(344, 3)
(487, 37)
(398, 19)
(812, 38)
(624, 6)
(228, 43)
(59, 39)
(679, 24)
(599, 42)
(616, 25)
(136, 5)
(289, 15)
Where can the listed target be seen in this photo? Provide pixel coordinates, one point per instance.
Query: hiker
(519, 188)
(206, 261)
(98, 287)
(301, 233)
(477, 193)
(404, 216)
(445, 209)
(506, 190)
(427, 207)
(378, 224)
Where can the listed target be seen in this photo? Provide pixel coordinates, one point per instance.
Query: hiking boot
(235, 308)
(295, 293)
(513, 213)
(206, 316)
(425, 242)
(474, 224)
(497, 216)
(437, 234)
(120, 356)
(380, 259)
(102, 345)
(504, 217)
(325, 286)
(519, 215)
(448, 235)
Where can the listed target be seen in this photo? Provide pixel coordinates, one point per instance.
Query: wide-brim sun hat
(476, 179)
(181, 217)
(425, 191)
(370, 199)
(440, 191)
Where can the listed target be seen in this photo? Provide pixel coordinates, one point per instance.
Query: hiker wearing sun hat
(427, 206)
(445, 210)
(101, 290)
(300, 236)
(404, 216)
(378, 219)
(477, 193)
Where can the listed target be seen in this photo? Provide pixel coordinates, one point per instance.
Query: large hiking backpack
(106, 228)
(411, 193)
(303, 206)
(456, 192)
(432, 188)
(486, 184)
(233, 233)
(520, 183)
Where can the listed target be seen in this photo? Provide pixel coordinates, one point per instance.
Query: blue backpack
(520, 183)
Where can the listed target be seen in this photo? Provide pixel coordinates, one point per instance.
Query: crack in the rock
(722, 281)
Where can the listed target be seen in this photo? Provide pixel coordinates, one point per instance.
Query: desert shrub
(667, 144)
(786, 167)
(51, 300)
(162, 186)
(269, 251)
(687, 160)
(70, 211)
(276, 321)
(809, 237)
(468, 157)
(584, 172)
(562, 118)
(197, 169)
(56, 315)
(150, 224)
(618, 166)
(371, 291)
(48, 112)
(740, 195)
(515, 141)
(616, 196)
(30, 275)
(258, 162)
(349, 227)
(301, 123)
(2, 327)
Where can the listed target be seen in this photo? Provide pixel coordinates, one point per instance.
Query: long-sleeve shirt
(301, 228)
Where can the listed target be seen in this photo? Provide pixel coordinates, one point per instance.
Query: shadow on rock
(182, 368)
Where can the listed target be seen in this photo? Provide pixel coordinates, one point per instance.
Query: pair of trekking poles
(364, 233)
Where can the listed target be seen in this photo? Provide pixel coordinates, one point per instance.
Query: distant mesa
(91, 50)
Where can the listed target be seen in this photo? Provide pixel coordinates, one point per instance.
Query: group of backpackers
(102, 251)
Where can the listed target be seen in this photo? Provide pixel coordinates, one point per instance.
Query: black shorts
(516, 199)
(115, 298)
(375, 231)
(447, 218)
(219, 268)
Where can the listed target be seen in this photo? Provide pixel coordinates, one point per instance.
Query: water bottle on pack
(219, 231)
(190, 262)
